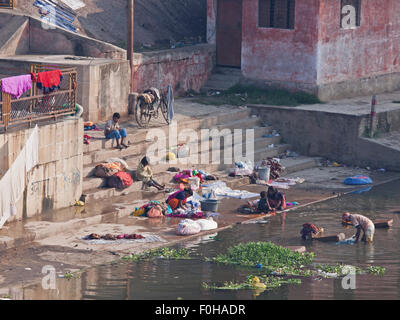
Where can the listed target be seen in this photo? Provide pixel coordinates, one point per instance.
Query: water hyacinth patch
(253, 283)
(377, 270)
(265, 254)
(163, 253)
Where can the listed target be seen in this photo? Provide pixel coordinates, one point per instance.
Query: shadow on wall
(155, 21)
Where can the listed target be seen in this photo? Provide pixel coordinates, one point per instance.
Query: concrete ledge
(359, 87)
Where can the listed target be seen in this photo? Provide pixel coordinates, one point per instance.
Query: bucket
(263, 173)
(209, 205)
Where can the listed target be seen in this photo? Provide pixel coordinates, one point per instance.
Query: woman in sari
(275, 199)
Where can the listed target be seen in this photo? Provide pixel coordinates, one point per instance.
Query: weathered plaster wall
(59, 41)
(57, 180)
(281, 56)
(104, 90)
(14, 34)
(370, 52)
(183, 68)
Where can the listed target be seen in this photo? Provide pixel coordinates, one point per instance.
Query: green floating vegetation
(240, 95)
(376, 270)
(165, 253)
(72, 275)
(253, 283)
(342, 269)
(267, 256)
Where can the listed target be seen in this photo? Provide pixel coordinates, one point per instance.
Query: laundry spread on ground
(221, 190)
(123, 238)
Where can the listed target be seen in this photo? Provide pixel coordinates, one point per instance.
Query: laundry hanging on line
(16, 86)
(49, 81)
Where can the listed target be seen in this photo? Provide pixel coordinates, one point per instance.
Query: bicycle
(149, 105)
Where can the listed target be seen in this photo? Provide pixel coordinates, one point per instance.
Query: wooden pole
(130, 36)
(372, 116)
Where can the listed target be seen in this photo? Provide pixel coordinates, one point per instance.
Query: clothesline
(16, 86)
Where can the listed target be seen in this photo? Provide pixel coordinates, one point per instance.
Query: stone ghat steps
(90, 181)
(95, 189)
(139, 135)
(135, 152)
(97, 156)
(222, 79)
(135, 189)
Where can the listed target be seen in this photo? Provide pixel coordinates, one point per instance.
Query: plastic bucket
(263, 173)
(209, 205)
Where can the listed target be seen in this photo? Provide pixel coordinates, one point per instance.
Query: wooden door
(229, 33)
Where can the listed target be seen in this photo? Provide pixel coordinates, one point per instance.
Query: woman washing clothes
(275, 200)
(178, 199)
(145, 174)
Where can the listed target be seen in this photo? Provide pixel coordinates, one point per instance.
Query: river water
(182, 279)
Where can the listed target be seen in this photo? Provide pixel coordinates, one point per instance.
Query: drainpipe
(130, 36)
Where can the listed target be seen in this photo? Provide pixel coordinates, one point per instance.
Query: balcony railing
(34, 105)
(7, 4)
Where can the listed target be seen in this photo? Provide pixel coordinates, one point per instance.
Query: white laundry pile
(285, 183)
(13, 183)
(221, 190)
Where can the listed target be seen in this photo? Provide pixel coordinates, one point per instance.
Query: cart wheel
(164, 109)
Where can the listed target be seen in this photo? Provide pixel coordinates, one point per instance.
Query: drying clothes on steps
(109, 236)
(121, 239)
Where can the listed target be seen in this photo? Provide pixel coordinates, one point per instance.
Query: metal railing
(35, 105)
(7, 4)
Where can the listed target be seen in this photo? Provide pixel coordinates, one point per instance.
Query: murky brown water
(161, 279)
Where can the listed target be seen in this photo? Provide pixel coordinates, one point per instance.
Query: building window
(276, 14)
(350, 14)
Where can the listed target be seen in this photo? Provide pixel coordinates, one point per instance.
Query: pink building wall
(318, 55)
(281, 55)
(370, 50)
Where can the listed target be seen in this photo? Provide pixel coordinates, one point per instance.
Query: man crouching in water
(361, 223)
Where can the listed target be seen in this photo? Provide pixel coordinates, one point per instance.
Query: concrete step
(243, 123)
(223, 84)
(95, 194)
(95, 182)
(225, 77)
(228, 71)
(271, 152)
(136, 135)
(299, 163)
(138, 150)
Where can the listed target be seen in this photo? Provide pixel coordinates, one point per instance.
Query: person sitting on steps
(112, 130)
(145, 174)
